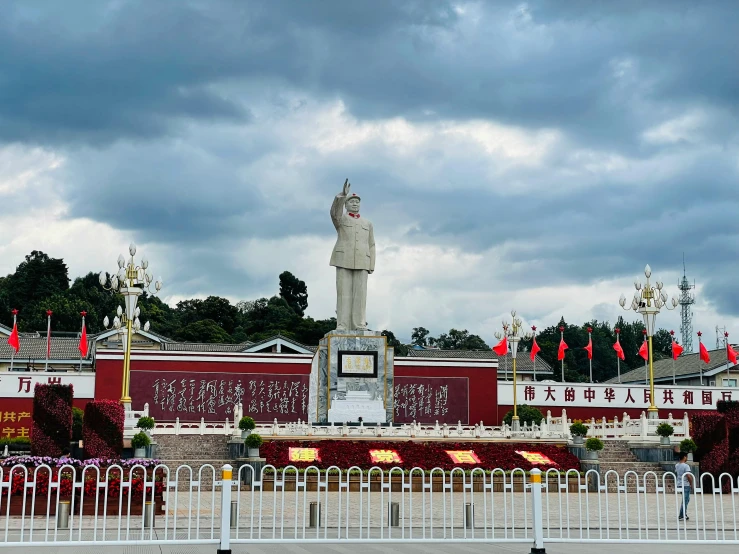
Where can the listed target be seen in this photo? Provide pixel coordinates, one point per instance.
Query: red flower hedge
(346, 454)
(711, 437)
(19, 480)
(51, 429)
(102, 429)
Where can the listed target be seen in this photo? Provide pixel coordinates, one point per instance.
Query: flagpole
(561, 338)
(590, 356)
(48, 338)
(83, 339)
(646, 361)
(618, 358)
(700, 367)
(533, 332)
(672, 351)
(12, 350)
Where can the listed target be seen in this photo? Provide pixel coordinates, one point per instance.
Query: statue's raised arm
(337, 208)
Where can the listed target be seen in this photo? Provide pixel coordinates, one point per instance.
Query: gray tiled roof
(285, 339)
(204, 347)
(686, 365)
(35, 349)
(5, 330)
(523, 361)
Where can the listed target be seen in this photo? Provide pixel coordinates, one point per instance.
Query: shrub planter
(664, 441)
(578, 441)
(139, 453)
(591, 455)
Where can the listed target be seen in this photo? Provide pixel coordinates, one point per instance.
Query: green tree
(294, 292)
(36, 278)
(459, 340)
(400, 349)
(206, 330)
(215, 308)
(418, 337)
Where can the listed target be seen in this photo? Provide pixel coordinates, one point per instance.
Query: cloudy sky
(528, 155)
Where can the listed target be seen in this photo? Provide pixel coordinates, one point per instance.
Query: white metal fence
(208, 506)
(642, 429)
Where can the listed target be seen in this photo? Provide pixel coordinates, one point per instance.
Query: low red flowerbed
(345, 454)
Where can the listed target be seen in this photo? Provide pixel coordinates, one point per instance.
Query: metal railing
(119, 505)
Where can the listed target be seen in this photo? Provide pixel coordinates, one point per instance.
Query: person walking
(685, 479)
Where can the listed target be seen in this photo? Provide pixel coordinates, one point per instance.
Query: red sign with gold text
(536, 458)
(385, 457)
(303, 455)
(463, 456)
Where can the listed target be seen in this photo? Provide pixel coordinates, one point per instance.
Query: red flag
(676, 350)
(13, 340)
(589, 348)
(83, 340)
(730, 353)
(619, 350)
(501, 349)
(562, 347)
(534, 350)
(704, 354)
(644, 350)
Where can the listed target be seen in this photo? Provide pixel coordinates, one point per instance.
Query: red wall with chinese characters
(482, 395)
(16, 415)
(479, 401)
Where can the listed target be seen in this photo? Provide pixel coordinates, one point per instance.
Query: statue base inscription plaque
(351, 378)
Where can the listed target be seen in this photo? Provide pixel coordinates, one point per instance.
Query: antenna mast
(687, 299)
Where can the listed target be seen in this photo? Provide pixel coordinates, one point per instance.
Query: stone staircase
(194, 451)
(617, 456)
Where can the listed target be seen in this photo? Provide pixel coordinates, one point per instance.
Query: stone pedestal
(352, 377)
(356, 405)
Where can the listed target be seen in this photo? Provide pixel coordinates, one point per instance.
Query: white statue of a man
(354, 259)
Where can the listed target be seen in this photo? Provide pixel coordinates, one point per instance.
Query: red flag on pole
(534, 350)
(13, 339)
(562, 347)
(731, 353)
(705, 357)
(501, 349)
(589, 348)
(644, 350)
(83, 337)
(619, 350)
(676, 350)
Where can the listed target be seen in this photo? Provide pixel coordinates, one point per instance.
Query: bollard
(62, 517)
(224, 546)
(393, 514)
(234, 514)
(314, 515)
(149, 520)
(469, 515)
(537, 513)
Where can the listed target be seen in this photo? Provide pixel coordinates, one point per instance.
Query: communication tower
(721, 338)
(687, 299)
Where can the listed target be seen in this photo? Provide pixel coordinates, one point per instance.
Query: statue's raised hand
(347, 186)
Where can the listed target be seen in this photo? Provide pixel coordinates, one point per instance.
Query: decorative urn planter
(664, 441)
(591, 454)
(253, 452)
(578, 441)
(139, 453)
(245, 434)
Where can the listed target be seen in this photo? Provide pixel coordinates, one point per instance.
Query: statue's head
(352, 204)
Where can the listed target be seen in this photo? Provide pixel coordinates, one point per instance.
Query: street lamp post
(514, 333)
(131, 281)
(648, 301)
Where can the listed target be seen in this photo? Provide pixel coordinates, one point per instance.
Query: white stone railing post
(146, 409)
(202, 425)
(686, 425)
(643, 431)
(177, 426)
(565, 427)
